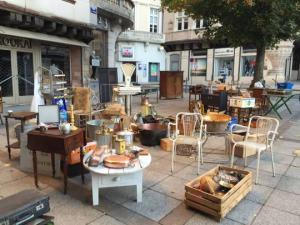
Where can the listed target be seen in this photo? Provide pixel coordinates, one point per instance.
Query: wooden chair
(189, 130)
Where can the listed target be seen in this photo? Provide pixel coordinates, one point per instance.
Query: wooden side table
(53, 142)
(23, 117)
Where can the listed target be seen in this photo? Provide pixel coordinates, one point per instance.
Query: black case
(23, 207)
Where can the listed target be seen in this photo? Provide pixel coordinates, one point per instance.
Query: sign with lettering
(15, 42)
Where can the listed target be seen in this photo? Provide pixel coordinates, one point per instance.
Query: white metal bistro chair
(189, 130)
(261, 138)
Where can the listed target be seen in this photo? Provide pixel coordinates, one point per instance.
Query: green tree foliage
(260, 23)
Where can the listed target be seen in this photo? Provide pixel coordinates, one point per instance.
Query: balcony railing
(123, 8)
(142, 36)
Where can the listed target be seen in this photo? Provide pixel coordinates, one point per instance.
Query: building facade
(141, 45)
(37, 36)
(202, 61)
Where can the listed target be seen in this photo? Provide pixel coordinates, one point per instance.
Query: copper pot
(151, 133)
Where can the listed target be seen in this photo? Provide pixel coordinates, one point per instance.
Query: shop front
(23, 54)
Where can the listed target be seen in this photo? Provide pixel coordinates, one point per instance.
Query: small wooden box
(166, 144)
(215, 205)
(241, 102)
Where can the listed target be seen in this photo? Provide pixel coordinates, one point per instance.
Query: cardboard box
(166, 144)
(241, 102)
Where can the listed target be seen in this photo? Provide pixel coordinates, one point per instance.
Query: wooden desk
(23, 117)
(52, 141)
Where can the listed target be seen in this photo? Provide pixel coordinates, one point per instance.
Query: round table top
(140, 164)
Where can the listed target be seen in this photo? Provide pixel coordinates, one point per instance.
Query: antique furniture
(23, 117)
(215, 101)
(279, 101)
(1, 106)
(195, 90)
(189, 130)
(52, 141)
(261, 103)
(171, 84)
(103, 177)
(262, 138)
(108, 77)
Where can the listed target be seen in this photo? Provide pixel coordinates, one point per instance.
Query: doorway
(16, 76)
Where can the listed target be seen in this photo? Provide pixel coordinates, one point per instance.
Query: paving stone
(129, 217)
(19, 185)
(265, 178)
(158, 153)
(182, 159)
(259, 193)
(179, 216)
(244, 212)
(278, 158)
(296, 161)
(289, 184)
(118, 194)
(293, 172)
(106, 220)
(152, 177)
(271, 216)
(189, 173)
(206, 166)
(285, 147)
(74, 212)
(9, 174)
(164, 166)
(285, 201)
(202, 219)
(56, 198)
(172, 186)
(155, 205)
(267, 166)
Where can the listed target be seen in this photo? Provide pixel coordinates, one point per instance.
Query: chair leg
(200, 157)
(273, 164)
(257, 167)
(232, 155)
(173, 156)
(245, 156)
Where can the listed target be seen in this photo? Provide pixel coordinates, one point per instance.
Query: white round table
(103, 177)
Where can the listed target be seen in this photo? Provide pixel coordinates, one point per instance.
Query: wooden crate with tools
(218, 205)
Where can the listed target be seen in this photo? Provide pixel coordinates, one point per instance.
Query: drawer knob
(116, 179)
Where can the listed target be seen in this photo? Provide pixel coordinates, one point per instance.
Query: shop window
(223, 67)
(182, 21)
(175, 62)
(57, 59)
(198, 66)
(154, 20)
(248, 65)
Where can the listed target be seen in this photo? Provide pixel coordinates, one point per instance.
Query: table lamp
(128, 70)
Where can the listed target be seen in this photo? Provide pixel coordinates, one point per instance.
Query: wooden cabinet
(171, 84)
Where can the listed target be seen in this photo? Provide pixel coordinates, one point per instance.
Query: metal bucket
(93, 125)
(127, 136)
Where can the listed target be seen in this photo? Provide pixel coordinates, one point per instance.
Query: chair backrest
(262, 129)
(82, 99)
(187, 123)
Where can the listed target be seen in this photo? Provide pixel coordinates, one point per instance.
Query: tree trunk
(260, 62)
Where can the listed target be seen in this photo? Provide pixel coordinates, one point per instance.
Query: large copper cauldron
(151, 133)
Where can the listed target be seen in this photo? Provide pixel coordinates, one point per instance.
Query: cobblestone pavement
(275, 200)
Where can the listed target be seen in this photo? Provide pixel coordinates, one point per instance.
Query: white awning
(40, 36)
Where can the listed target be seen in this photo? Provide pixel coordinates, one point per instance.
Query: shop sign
(15, 42)
(224, 51)
(127, 52)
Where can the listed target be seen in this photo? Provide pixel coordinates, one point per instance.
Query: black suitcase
(23, 207)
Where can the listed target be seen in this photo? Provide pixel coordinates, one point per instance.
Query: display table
(53, 142)
(23, 117)
(279, 100)
(103, 177)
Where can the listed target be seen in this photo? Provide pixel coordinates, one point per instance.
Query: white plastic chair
(260, 138)
(193, 133)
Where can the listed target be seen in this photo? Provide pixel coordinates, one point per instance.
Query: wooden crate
(166, 144)
(217, 206)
